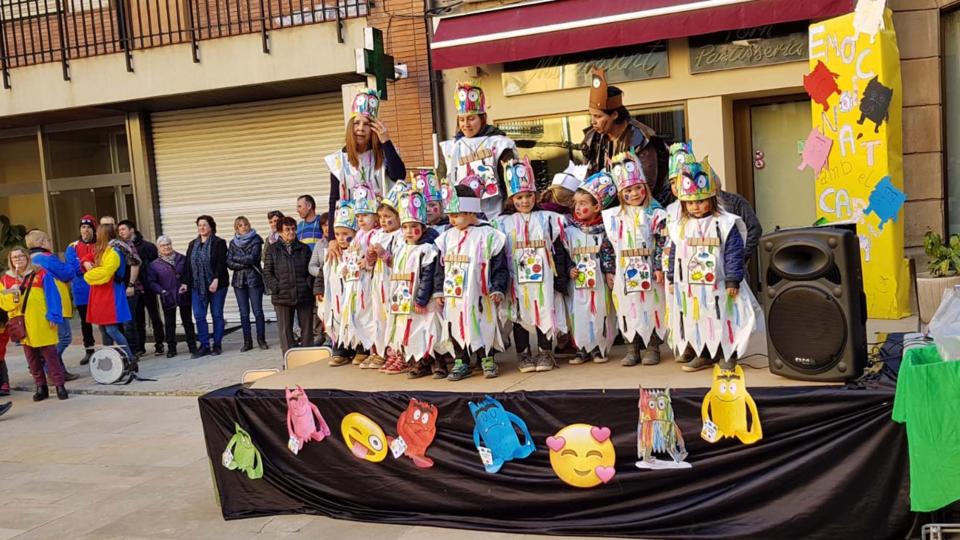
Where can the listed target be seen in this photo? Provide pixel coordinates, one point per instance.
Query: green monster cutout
(242, 454)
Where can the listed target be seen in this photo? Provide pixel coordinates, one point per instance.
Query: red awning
(534, 30)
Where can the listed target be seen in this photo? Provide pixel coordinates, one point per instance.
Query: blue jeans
(112, 334)
(64, 337)
(200, 304)
(250, 298)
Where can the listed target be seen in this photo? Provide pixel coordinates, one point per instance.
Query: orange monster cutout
(418, 426)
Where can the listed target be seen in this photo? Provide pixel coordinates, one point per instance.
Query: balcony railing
(40, 31)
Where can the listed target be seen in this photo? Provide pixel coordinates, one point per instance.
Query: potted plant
(943, 272)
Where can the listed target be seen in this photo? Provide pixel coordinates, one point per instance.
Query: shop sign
(748, 47)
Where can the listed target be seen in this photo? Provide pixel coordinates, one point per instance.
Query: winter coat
(218, 259)
(737, 205)
(78, 251)
(165, 280)
(286, 274)
(148, 253)
(108, 293)
(43, 312)
(61, 271)
(245, 263)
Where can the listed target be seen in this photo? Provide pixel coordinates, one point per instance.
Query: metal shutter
(244, 159)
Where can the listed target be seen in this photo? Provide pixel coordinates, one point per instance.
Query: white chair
(252, 375)
(301, 356)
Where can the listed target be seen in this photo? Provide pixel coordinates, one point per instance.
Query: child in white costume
(477, 149)
(413, 318)
(633, 263)
(475, 282)
(378, 259)
(424, 180)
(680, 154)
(715, 308)
(592, 319)
(358, 325)
(334, 277)
(539, 265)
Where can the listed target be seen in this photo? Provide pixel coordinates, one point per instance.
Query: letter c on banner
(860, 73)
(824, 205)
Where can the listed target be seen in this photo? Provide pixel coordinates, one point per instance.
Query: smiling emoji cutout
(582, 455)
(363, 437)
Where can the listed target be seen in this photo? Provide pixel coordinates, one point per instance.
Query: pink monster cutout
(300, 419)
(820, 84)
(816, 151)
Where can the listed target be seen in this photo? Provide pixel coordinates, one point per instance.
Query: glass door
(71, 205)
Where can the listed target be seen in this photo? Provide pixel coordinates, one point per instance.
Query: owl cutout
(393, 196)
(626, 170)
(473, 182)
(519, 178)
(728, 410)
(416, 428)
(698, 182)
(345, 216)
(364, 199)
(680, 154)
(424, 180)
(602, 188)
(413, 208)
(658, 432)
(469, 99)
(598, 92)
(366, 103)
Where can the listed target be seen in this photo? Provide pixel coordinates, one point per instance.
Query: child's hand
(658, 276)
(732, 292)
(609, 278)
(440, 301)
(319, 297)
(371, 257)
(496, 298)
(574, 273)
(333, 252)
(420, 309)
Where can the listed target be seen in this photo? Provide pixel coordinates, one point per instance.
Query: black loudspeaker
(814, 303)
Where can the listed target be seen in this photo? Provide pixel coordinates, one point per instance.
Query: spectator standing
(105, 273)
(309, 230)
(207, 280)
(41, 254)
(77, 250)
(130, 275)
(166, 278)
(147, 301)
(243, 257)
(31, 291)
(286, 274)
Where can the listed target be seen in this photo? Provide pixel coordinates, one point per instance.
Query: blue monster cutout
(886, 201)
(497, 428)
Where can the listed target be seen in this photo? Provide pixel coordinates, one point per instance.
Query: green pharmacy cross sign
(373, 62)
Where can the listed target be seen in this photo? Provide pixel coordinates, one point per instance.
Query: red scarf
(596, 220)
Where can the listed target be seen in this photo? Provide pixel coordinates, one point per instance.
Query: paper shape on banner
(583, 455)
(816, 150)
(496, 430)
(304, 421)
(363, 437)
(820, 84)
(416, 428)
(875, 103)
(241, 454)
(728, 410)
(868, 18)
(658, 432)
(885, 201)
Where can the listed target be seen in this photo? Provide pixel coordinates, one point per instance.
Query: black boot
(62, 392)
(262, 342)
(86, 357)
(67, 376)
(217, 350)
(42, 393)
(4, 379)
(247, 344)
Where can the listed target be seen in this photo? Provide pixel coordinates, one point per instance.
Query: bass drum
(109, 365)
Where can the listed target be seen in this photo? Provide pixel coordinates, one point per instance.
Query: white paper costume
(479, 155)
(381, 272)
(533, 302)
(358, 324)
(334, 273)
(633, 232)
(707, 317)
(413, 335)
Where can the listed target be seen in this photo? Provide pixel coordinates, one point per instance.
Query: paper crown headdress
(680, 153)
(518, 177)
(413, 208)
(454, 204)
(571, 177)
(698, 181)
(364, 199)
(366, 103)
(600, 186)
(424, 180)
(626, 170)
(474, 182)
(393, 196)
(469, 99)
(345, 216)
(598, 92)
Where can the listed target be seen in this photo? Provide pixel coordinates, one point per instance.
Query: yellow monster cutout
(725, 408)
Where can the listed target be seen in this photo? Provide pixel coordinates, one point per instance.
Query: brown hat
(598, 92)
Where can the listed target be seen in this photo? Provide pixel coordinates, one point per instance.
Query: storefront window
(951, 84)
(21, 187)
(88, 152)
(551, 142)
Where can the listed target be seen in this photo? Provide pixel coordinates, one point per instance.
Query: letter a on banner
(857, 99)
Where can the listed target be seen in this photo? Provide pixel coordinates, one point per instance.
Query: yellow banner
(854, 85)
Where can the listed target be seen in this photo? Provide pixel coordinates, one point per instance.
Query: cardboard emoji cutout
(583, 455)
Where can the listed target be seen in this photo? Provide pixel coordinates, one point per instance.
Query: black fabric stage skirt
(831, 464)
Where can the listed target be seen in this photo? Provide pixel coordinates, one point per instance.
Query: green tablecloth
(928, 402)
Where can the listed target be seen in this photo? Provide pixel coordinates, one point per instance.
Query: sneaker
(390, 364)
(395, 367)
(631, 359)
(461, 370)
(696, 364)
(420, 369)
(546, 361)
(650, 356)
(600, 359)
(337, 361)
(685, 357)
(490, 368)
(527, 363)
(580, 358)
(359, 358)
(373, 362)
